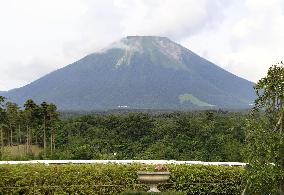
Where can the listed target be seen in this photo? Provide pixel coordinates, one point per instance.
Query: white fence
(124, 162)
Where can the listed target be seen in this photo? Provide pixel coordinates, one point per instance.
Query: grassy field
(194, 100)
(20, 152)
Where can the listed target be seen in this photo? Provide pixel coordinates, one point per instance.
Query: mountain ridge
(139, 72)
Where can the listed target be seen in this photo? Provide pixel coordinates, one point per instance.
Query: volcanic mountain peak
(168, 47)
(140, 44)
(139, 72)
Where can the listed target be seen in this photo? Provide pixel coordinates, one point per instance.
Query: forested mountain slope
(139, 72)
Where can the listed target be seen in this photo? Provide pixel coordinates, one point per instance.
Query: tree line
(206, 136)
(31, 125)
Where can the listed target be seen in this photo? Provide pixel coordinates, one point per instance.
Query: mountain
(2, 93)
(139, 72)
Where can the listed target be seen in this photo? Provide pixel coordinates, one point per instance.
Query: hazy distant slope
(2, 93)
(140, 72)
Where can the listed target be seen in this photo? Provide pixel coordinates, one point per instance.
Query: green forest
(207, 136)
(204, 135)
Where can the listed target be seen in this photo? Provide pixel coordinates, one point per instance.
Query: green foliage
(262, 179)
(27, 126)
(264, 136)
(270, 92)
(149, 193)
(206, 136)
(114, 179)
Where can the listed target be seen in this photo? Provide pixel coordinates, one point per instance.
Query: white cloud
(38, 36)
(167, 17)
(247, 41)
(32, 30)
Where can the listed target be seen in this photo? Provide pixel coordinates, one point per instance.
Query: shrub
(147, 193)
(114, 179)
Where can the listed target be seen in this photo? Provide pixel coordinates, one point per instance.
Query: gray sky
(38, 36)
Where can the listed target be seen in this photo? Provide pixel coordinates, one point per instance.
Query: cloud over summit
(244, 37)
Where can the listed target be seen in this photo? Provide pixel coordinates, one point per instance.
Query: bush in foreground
(115, 179)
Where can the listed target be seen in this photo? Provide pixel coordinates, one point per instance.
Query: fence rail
(124, 162)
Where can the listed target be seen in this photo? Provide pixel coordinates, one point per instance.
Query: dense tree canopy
(207, 136)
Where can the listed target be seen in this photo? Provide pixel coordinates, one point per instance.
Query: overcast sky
(38, 36)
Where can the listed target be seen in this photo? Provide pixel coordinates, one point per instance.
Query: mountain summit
(140, 72)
